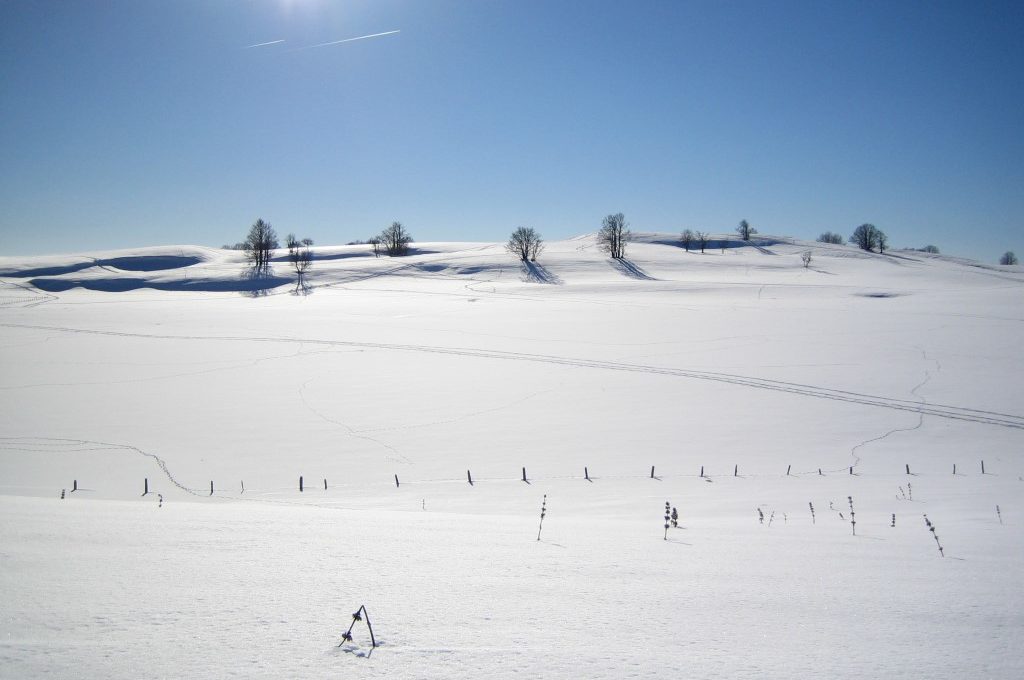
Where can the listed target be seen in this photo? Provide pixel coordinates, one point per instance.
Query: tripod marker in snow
(358, 616)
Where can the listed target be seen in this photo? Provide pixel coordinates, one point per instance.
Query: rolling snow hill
(755, 387)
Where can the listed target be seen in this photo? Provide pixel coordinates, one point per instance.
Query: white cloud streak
(338, 42)
(272, 42)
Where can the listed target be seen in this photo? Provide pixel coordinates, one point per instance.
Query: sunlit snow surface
(170, 364)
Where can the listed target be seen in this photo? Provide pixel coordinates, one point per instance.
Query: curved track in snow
(952, 412)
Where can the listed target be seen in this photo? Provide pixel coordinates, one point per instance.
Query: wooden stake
(524, 474)
(469, 477)
(586, 474)
(788, 468)
(396, 482)
(145, 486)
(300, 484)
(211, 487)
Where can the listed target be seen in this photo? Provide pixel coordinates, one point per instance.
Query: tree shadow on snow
(302, 287)
(627, 268)
(538, 273)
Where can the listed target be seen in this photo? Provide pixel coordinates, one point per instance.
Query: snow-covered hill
(785, 385)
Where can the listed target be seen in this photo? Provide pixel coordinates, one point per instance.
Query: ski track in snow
(49, 443)
(398, 457)
(920, 415)
(920, 407)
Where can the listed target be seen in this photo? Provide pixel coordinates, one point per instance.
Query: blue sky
(144, 123)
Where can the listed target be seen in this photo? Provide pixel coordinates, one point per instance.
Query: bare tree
(687, 239)
(307, 242)
(1008, 258)
(291, 242)
(829, 237)
(702, 239)
(262, 239)
(806, 257)
(525, 243)
(301, 258)
(869, 237)
(375, 242)
(745, 230)
(614, 235)
(395, 239)
(930, 249)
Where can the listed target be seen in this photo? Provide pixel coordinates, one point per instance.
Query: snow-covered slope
(172, 367)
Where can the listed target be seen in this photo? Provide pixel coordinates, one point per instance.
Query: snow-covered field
(169, 365)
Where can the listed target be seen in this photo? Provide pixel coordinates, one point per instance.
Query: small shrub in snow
(760, 516)
(806, 257)
(668, 516)
(543, 512)
(893, 525)
(931, 528)
(853, 516)
(998, 512)
(811, 505)
(675, 518)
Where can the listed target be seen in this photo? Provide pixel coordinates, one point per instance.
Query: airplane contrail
(272, 42)
(338, 42)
